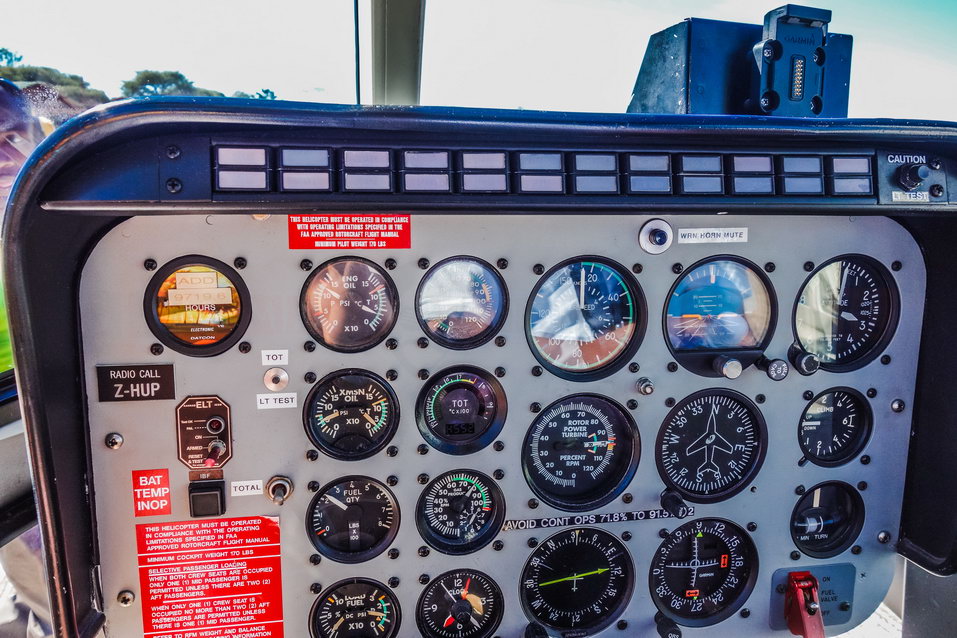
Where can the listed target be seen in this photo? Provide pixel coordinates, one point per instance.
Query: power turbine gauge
(351, 414)
(577, 581)
(711, 445)
(846, 312)
(585, 318)
(349, 304)
(463, 603)
(355, 608)
(581, 452)
(703, 572)
(460, 512)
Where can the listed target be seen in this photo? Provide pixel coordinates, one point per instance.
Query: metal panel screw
(245, 347)
(393, 553)
(392, 481)
(535, 407)
(156, 349)
(672, 366)
(537, 371)
(424, 263)
(896, 266)
(500, 341)
(752, 527)
(422, 478)
(240, 263)
(391, 344)
(394, 582)
(392, 451)
(173, 152)
(309, 377)
(309, 346)
(622, 625)
(126, 598)
(315, 559)
(423, 551)
(391, 375)
(500, 372)
(313, 486)
(677, 268)
(502, 263)
(799, 490)
(498, 475)
(114, 440)
(390, 264)
(637, 268)
(423, 374)
(424, 579)
(770, 267)
(533, 542)
(498, 546)
(173, 185)
(626, 536)
(422, 342)
(883, 537)
(533, 503)
(627, 497)
(422, 448)
(305, 264)
(150, 264)
(315, 588)
(936, 190)
(795, 555)
(745, 613)
(498, 446)
(312, 455)
(808, 266)
(871, 393)
(897, 405)
(856, 550)
(808, 395)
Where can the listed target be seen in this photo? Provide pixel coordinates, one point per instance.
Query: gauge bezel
(614, 364)
(353, 557)
(622, 604)
(854, 531)
(166, 338)
(752, 472)
(471, 445)
(444, 546)
(701, 361)
(496, 592)
(732, 607)
(355, 581)
(489, 333)
(389, 283)
(883, 340)
(569, 505)
(392, 424)
(862, 440)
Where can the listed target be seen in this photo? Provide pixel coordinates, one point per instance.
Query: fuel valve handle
(802, 607)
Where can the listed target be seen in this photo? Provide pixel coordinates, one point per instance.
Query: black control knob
(672, 503)
(804, 362)
(910, 176)
(666, 626)
(776, 369)
(534, 630)
(727, 367)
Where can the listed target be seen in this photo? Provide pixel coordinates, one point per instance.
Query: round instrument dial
(352, 519)
(463, 603)
(703, 572)
(197, 306)
(719, 304)
(827, 519)
(846, 312)
(461, 302)
(711, 445)
(460, 512)
(351, 414)
(349, 304)
(835, 427)
(578, 580)
(461, 410)
(585, 318)
(355, 608)
(581, 452)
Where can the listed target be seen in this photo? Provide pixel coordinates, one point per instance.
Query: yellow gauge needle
(335, 627)
(375, 613)
(575, 577)
(476, 603)
(369, 418)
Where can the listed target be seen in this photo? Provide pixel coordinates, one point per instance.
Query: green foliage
(72, 87)
(147, 83)
(264, 94)
(8, 57)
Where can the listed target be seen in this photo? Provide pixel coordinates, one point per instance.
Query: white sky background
(577, 55)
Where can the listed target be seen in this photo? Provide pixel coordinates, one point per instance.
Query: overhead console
(297, 371)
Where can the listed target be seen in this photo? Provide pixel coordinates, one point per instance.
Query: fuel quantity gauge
(352, 519)
(463, 603)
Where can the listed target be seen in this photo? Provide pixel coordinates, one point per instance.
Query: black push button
(207, 498)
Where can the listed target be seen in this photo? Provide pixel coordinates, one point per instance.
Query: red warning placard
(151, 493)
(349, 231)
(217, 578)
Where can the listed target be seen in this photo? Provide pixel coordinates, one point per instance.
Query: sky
(574, 55)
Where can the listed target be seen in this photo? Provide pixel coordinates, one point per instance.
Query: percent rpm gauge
(585, 318)
(349, 304)
(460, 512)
(581, 452)
(703, 572)
(352, 519)
(846, 312)
(351, 414)
(461, 410)
(463, 603)
(711, 445)
(355, 608)
(577, 581)
(461, 302)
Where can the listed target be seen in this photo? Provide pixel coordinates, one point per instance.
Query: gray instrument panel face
(273, 442)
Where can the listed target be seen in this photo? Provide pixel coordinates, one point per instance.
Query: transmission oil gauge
(461, 302)
(349, 304)
(578, 581)
(351, 414)
(460, 512)
(846, 312)
(352, 519)
(461, 410)
(703, 572)
(197, 306)
(463, 603)
(355, 608)
(585, 318)
(835, 427)
(711, 445)
(581, 452)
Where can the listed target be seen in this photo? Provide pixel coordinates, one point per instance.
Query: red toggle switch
(216, 450)
(802, 608)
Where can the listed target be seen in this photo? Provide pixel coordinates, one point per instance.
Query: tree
(8, 57)
(264, 94)
(147, 83)
(72, 87)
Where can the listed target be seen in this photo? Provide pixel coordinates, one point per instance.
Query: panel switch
(207, 498)
(802, 607)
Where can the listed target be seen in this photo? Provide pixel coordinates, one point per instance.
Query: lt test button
(276, 379)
